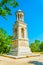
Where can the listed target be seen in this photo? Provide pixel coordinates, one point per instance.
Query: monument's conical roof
(20, 10)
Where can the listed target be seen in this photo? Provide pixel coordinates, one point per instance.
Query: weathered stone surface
(20, 43)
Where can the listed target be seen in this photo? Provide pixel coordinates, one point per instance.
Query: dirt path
(24, 61)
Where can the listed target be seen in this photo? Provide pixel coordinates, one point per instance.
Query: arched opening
(20, 17)
(22, 33)
(15, 32)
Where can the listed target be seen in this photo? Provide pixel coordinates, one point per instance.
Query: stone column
(19, 32)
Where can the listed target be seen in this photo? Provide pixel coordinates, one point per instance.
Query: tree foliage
(5, 42)
(35, 46)
(5, 7)
(41, 46)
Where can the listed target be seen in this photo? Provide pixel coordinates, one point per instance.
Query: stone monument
(20, 43)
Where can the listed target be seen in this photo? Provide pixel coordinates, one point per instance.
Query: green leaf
(4, 7)
(15, 4)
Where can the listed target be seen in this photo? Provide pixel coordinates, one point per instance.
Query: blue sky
(33, 10)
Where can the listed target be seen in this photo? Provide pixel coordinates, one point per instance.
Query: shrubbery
(5, 42)
(36, 46)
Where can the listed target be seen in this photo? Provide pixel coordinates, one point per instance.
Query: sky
(33, 10)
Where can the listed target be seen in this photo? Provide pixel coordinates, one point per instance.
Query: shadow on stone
(36, 63)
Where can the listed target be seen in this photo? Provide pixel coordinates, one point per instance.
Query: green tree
(5, 7)
(35, 46)
(41, 46)
(5, 42)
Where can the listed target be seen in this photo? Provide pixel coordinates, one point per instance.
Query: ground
(38, 60)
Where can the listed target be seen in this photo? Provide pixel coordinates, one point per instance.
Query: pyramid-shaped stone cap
(19, 12)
